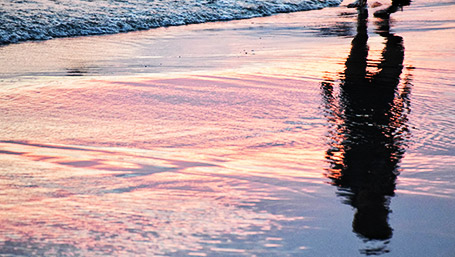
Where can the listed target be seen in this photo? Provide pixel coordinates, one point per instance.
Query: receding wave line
(46, 19)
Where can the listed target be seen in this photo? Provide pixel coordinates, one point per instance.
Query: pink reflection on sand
(120, 205)
(203, 111)
(145, 166)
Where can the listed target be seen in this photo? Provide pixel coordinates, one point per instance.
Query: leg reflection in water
(368, 117)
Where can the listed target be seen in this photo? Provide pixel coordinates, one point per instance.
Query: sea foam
(23, 20)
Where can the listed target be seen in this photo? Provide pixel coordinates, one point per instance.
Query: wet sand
(234, 138)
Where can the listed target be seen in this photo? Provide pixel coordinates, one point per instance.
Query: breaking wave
(24, 20)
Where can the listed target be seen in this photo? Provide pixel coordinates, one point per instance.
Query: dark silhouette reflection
(394, 6)
(368, 117)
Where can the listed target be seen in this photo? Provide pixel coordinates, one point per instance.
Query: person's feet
(359, 3)
(382, 14)
(385, 13)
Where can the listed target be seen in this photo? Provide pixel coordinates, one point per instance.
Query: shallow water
(259, 145)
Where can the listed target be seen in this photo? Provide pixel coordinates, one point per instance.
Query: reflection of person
(384, 13)
(367, 142)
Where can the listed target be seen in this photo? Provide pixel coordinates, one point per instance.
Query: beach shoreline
(232, 138)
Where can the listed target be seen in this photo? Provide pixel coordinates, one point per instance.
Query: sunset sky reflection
(137, 145)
